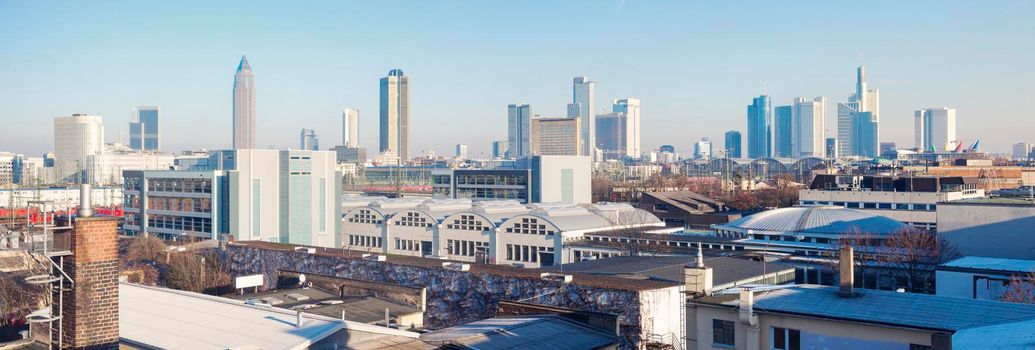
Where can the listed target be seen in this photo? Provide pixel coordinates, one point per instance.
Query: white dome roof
(820, 219)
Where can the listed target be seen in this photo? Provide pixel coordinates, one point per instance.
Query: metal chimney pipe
(85, 203)
(846, 267)
(700, 255)
(298, 318)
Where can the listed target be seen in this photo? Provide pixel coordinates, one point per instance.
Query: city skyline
(704, 100)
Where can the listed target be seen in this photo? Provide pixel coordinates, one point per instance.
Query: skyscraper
(582, 99)
(1021, 150)
(309, 141)
(759, 133)
(732, 145)
(783, 132)
(935, 128)
(499, 149)
(630, 107)
(518, 131)
(611, 134)
(350, 127)
(143, 130)
(76, 138)
(831, 149)
(395, 114)
(809, 126)
(858, 120)
(703, 149)
(461, 151)
(244, 106)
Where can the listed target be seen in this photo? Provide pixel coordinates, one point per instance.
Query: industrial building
(993, 227)
(495, 232)
(912, 200)
(533, 179)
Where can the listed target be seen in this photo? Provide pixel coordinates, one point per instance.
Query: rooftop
(725, 269)
(912, 310)
(172, 319)
(990, 264)
(531, 332)
(316, 301)
(818, 220)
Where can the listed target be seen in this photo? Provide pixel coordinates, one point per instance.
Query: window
(786, 339)
(723, 332)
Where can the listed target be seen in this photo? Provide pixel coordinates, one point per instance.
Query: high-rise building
(858, 120)
(308, 140)
(831, 149)
(630, 107)
(667, 148)
(76, 138)
(350, 127)
(888, 149)
(499, 149)
(244, 106)
(518, 131)
(556, 137)
(935, 129)
(1021, 150)
(759, 133)
(732, 146)
(582, 98)
(143, 130)
(808, 127)
(395, 114)
(461, 151)
(611, 134)
(783, 132)
(703, 149)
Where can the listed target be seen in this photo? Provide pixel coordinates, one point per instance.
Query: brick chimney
(90, 309)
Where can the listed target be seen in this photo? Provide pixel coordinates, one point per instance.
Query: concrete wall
(456, 297)
(1001, 231)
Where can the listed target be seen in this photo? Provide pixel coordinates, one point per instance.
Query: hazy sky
(694, 65)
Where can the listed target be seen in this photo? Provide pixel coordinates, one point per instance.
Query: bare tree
(1020, 289)
(202, 273)
(911, 255)
(145, 248)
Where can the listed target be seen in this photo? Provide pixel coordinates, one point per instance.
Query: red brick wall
(91, 309)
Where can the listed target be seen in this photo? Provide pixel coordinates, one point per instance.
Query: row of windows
(488, 179)
(467, 223)
(876, 205)
(364, 241)
(194, 205)
(465, 248)
(180, 185)
(789, 238)
(664, 243)
(180, 223)
(526, 253)
(365, 216)
(529, 226)
(492, 193)
(413, 220)
(582, 255)
(407, 244)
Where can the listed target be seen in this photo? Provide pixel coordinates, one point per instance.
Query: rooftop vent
(306, 250)
(455, 266)
(558, 277)
(374, 257)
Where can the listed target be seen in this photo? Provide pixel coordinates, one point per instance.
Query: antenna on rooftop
(763, 88)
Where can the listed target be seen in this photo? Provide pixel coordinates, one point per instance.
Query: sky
(694, 65)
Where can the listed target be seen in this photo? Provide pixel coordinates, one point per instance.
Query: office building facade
(703, 149)
(244, 106)
(519, 120)
(500, 149)
(630, 108)
(144, 132)
(808, 117)
(395, 114)
(732, 145)
(858, 120)
(831, 149)
(783, 132)
(759, 130)
(1022, 150)
(308, 140)
(611, 134)
(268, 195)
(76, 137)
(350, 127)
(935, 129)
(533, 179)
(461, 151)
(582, 107)
(556, 137)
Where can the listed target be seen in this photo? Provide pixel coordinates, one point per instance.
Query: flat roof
(525, 332)
(911, 310)
(990, 264)
(725, 269)
(364, 309)
(173, 319)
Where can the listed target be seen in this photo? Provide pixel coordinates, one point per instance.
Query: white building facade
(935, 129)
(808, 132)
(75, 139)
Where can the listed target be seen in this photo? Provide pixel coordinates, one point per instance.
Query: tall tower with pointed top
(244, 106)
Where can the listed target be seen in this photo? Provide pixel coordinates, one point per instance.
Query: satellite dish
(301, 278)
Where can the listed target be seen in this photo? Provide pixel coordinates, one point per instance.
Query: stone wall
(453, 297)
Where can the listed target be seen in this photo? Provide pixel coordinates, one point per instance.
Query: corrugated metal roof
(538, 332)
(819, 219)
